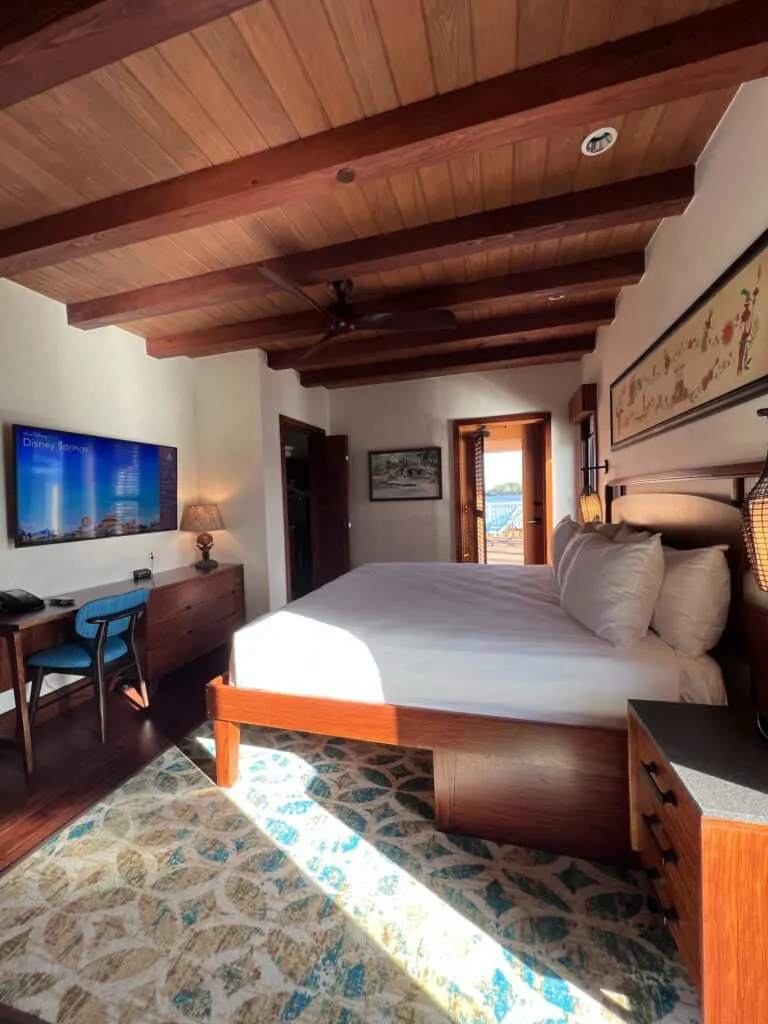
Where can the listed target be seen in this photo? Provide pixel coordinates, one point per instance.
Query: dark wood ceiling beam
(469, 338)
(278, 333)
(715, 50)
(44, 43)
(648, 198)
(528, 353)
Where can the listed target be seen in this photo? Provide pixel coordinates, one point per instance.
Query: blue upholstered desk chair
(106, 634)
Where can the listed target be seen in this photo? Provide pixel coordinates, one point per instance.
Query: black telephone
(15, 602)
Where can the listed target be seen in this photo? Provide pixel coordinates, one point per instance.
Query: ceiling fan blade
(289, 286)
(336, 331)
(407, 320)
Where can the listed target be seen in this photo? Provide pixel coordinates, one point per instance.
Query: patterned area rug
(318, 891)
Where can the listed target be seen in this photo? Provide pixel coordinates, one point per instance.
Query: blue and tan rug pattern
(318, 891)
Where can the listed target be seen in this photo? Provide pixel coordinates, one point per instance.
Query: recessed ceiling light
(599, 141)
(555, 298)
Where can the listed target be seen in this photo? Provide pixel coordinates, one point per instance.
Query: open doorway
(315, 504)
(503, 489)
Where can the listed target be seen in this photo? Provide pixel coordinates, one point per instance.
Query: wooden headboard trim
(737, 472)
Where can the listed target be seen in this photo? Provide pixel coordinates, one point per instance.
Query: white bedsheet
(479, 639)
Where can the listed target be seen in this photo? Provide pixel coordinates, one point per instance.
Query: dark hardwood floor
(73, 769)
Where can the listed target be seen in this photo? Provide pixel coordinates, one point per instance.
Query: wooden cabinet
(699, 823)
(583, 403)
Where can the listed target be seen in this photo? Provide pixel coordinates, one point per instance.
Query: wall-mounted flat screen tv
(71, 487)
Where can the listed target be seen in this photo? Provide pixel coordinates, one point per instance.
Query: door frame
(288, 423)
(480, 421)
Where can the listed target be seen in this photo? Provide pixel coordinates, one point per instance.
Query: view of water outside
(504, 506)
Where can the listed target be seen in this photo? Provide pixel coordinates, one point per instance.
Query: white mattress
(478, 639)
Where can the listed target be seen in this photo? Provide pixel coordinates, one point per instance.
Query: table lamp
(202, 519)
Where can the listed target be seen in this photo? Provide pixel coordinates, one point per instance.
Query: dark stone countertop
(718, 753)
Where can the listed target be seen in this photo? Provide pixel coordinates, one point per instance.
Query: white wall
(101, 382)
(231, 463)
(687, 254)
(419, 413)
(239, 404)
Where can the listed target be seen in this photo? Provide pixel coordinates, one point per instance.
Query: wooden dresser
(699, 801)
(191, 613)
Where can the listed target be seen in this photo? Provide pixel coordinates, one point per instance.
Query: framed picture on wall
(405, 474)
(713, 357)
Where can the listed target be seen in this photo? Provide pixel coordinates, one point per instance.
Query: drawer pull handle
(669, 915)
(651, 770)
(668, 856)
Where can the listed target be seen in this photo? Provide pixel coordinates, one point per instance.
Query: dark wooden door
(329, 506)
(472, 509)
(535, 492)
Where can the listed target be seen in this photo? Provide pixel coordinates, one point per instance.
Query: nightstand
(698, 778)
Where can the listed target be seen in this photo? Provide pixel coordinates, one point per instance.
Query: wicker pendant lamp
(754, 518)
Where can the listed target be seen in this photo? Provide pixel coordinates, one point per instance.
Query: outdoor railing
(501, 516)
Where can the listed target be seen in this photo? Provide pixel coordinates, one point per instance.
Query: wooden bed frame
(550, 787)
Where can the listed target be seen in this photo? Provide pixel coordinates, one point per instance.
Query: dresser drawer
(190, 643)
(661, 853)
(654, 777)
(170, 602)
(199, 616)
(666, 829)
(683, 921)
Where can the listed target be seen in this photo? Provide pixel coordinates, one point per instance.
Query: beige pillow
(612, 589)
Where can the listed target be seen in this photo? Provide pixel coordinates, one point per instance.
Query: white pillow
(567, 529)
(692, 610)
(612, 589)
(571, 550)
(609, 530)
(626, 534)
(561, 535)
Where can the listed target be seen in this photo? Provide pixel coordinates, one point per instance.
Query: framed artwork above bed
(405, 474)
(713, 357)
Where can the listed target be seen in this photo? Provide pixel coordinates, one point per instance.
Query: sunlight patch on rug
(318, 891)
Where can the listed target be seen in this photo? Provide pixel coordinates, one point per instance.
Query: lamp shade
(590, 509)
(754, 518)
(201, 518)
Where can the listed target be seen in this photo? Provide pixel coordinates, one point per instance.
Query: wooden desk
(189, 613)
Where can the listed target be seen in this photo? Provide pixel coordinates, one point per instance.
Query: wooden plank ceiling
(148, 191)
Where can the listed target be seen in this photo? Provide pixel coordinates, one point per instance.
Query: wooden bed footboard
(562, 788)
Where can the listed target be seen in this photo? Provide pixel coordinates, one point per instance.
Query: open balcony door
(329, 506)
(470, 446)
(471, 468)
(535, 472)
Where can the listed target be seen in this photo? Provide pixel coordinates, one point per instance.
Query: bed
(524, 709)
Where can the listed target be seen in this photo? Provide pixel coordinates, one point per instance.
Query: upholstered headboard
(690, 520)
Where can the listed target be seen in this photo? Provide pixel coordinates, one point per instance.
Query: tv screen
(79, 487)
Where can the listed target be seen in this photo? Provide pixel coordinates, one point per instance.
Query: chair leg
(141, 684)
(101, 694)
(34, 697)
(144, 692)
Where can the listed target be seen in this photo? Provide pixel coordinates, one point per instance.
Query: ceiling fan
(343, 320)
